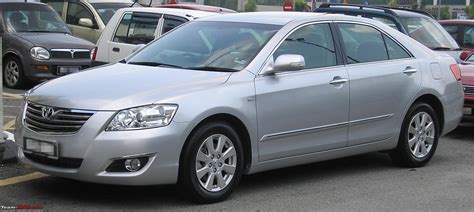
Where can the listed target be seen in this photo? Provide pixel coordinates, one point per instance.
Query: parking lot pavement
(365, 182)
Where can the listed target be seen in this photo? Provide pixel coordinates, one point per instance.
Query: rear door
(134, 29)
(383, 80)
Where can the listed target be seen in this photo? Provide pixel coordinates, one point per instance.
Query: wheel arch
(437, 106)
(237, 124)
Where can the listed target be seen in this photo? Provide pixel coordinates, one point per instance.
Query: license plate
(44, 148)
(467, 111)
(63, 70)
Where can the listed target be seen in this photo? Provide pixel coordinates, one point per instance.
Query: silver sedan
(237, 94)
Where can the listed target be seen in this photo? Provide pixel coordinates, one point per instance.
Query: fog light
(132, 165)
(42, 68)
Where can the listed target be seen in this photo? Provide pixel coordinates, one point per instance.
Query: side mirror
(464, 55)
(286, 62)
(86, 22)
(138, 47)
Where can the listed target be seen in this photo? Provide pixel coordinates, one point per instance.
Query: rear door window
(137, 28)
(170, 22)
(362, 43)
(453, 30)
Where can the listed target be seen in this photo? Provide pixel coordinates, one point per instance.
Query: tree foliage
(251, 6)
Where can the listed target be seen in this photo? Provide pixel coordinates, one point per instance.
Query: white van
(87, 18)
(131, 28)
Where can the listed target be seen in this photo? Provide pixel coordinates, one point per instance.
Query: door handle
(338, 80)
(116, 49)
(409, 70)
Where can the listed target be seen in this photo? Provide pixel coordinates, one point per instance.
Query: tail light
(456, 71)
(94, 53)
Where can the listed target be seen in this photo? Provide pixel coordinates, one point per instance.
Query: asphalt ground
(368, 182)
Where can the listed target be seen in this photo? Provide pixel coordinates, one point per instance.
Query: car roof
(171, 11)
(207, 8)
(278, 18)
(20, 4)
(109, 1)
(457, 22)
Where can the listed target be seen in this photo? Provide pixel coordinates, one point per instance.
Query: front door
(304, 111)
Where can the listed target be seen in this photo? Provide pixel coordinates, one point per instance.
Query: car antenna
(149, 5)
(134, 2)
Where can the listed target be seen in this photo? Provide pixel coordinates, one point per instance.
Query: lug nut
(218, 156)
(215, 169)
(220, 164)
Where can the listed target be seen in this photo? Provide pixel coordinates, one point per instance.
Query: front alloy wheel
(211, 163)
(216, 161)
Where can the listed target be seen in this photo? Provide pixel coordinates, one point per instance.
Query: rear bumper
(453, 111)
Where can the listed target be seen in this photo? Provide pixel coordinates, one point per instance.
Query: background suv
(419, 25)
(38, 45)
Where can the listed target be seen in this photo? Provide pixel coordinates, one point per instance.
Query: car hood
(467, 73)
(55, 40)
(119, 86)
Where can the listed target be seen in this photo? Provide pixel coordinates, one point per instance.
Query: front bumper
(32, 71)
(468, 106)
(97, 149)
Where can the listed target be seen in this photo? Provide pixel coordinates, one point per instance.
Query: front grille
(46, 119)
(70, 54)
(469, 89)
(69, 163)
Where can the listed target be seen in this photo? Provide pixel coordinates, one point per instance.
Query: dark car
(419, 25)
(38, 45)
(462, 31)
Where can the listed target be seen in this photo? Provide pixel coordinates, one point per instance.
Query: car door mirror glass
(286, 62)
(86, 22)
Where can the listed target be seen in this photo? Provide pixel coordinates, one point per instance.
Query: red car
(462, 31)
(467, 72)
(200, 7)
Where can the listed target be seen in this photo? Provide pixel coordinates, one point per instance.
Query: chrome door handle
(410, 70)
(338, 81)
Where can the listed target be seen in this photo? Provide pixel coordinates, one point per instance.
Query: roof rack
(410, 10)
(359, 6)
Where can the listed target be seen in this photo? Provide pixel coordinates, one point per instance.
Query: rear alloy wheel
(418, 137)
(211, 163)
(13, 74)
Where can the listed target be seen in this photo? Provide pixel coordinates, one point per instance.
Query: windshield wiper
(213, 68)
(154, 64)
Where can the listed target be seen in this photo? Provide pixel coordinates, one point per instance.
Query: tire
(13, 73)
(416, 145)
(212, 163)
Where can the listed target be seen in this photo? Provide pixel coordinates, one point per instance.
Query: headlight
(39, 53)
(144, 117)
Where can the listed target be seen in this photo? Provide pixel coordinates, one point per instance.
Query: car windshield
(33, 19)
(207, 45)
(428, 32)
(107, 10)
